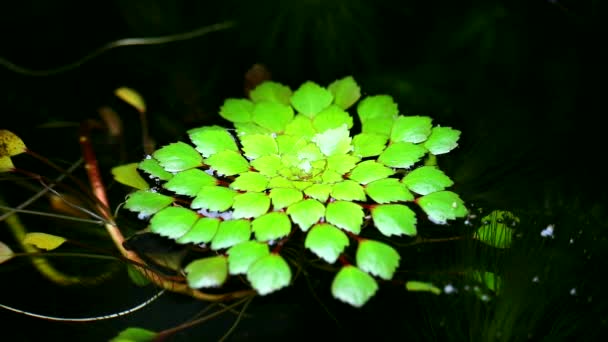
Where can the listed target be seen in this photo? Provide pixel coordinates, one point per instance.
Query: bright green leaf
(279, 182)
(6, 164)
(369, 171)
(271, 226)
(442, 140)
(250, 204)
(43, 240)
(496, 230)
(306, 213)
(427, 179)
(241, 256)
(135, 335)
(492, 281)
(311, 98)
(230, 233)
(237, 110)
(401, 154)
(319, 192)
(189, 182)
(326, 241)
(345, 215)
(378, 126)
(10, 144)
(202, 231)
(153, 168)
(394, 219)
(442, 206)
(377, 107)
(127, 174)
(332, 117)
(173, 222)
(258, 145)
(353, 286)
(342, 163)
(207, 272)
(284, 197)
(214, 198)
(269, 274)
(368, 145)
(348, 190)
(210, 140)
(228, 163)
(377, 258)
(178, 156)
(388, 190)
(6, 253)
(420, 286)
(246, 128)
(250, 181)
(267, 165)
(300, 126)
(345, 91)
(271, 92)
(272, 116)
(413, 129)
(147, 202)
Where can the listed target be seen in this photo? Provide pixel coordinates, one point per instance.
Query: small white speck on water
(449, 289)
(148, 156)
(467, 222)
(142, 216)
(485, 298)
(209, 171)
(548, 232)
(535, 279)
(571, 240)
(573, 291)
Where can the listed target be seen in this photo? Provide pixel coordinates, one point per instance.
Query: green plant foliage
(292, 163)
(135, 335)
(136, 276)
(128, 175)
(6, 253)
(207, 272)
(413, 285)
(43, 240)
(492, 281)
(496, 229)
(10, 146)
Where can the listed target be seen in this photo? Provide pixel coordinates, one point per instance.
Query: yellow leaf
(131, 97)
(5, 252)
(43, 240)
(127, 174)
(6, 164)
(10, 144)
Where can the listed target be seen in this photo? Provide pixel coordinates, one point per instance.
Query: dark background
(520, 79)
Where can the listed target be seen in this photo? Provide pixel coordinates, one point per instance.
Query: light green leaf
(306, 213)
(388, 190)
(326, 241)
(250, 204)
(368, 145)
(413, 129)
(353, 286)
(369, 171)
(272, 116)
(420, 286)
(348, 190)
(267, 165)
(43, 240)
(496, 230)
(300, 126)
(207, 272)
(345, 91)
(271, 226)
(230, 233)
(394, 219)
(492, 281)
(146, 202)
(10, 144)
(210, 140)
(245, 128)
(334, 141)
(345, 215)
(280, 182)
(377, 258)
(136, 276)
(284, 197)
(202, 231)
(258, 145)
(332, 117)
(6, 164)
(401, 154)
(6, 253)
(379, 126)
(214, 198)
(311, 98)
(228, 163)
(177, 157)
(269, 274)
(131, 97)
(442, 206)
(342, 163)
(377, 107)
(271, 92)
(319, 192)
(127, 174)
(442, 140)
(134, 334)
(237, 110)
(427, 179)
(153, 168)
(241, 256)
(250, 181)
(173, 222)
(189, 182)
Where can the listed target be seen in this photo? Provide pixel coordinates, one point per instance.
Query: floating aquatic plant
(291, 165)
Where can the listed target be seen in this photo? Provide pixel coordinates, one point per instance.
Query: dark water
(518, 78)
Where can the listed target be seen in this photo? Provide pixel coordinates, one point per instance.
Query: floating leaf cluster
(292, 166)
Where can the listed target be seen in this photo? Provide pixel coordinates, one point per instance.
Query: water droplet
(573, 291)
(535, 279)
(548, 232)
(448, 289)
(571, 240)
